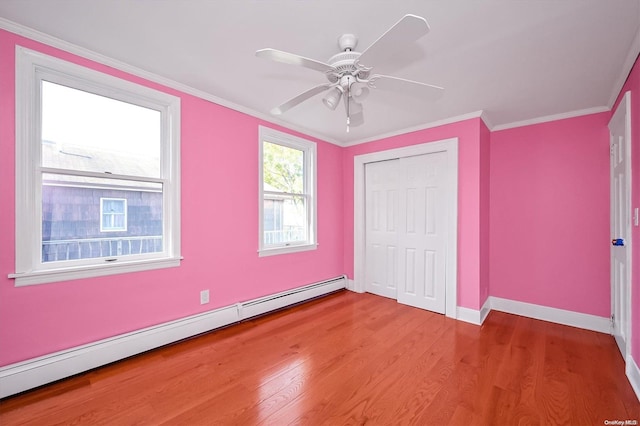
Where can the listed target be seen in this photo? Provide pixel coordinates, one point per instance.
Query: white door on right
(421, 231)
(619, 128)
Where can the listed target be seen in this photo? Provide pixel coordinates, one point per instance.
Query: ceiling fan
(350, 72)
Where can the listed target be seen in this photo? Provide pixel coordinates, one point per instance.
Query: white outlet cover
(204, 297)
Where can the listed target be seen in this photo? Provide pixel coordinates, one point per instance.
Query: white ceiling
(515, 61)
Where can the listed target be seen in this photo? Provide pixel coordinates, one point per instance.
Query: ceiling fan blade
(409, 87)
(293, 59)
(300, 98)
(405, 31)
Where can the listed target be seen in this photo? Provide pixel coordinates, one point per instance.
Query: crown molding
(463, 117)
(487, 122)
(632, 56)
(554, 117)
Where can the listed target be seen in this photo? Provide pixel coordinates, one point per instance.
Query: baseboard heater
(276, 301)
(29, 374)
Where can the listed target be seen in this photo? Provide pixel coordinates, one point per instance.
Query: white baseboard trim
(35, 372)
(473, 316)
(351, 285)
(25, 375)
(468, 315)
(484, 311)
(545, 313)
(633, 374)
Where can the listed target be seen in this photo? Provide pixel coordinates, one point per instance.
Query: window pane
(285, 219)
(283, 168)
(113, 222)
(113, 206)
(89, 132)
(71, 218)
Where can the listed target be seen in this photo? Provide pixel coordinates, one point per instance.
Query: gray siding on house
(72, 213)
(71, 203)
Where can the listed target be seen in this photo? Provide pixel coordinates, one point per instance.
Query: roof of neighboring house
(76, 157)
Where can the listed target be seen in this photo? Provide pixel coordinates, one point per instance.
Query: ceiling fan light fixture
(332, 99)
(360, 92)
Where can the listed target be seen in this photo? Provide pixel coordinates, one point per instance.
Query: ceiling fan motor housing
(345, 61)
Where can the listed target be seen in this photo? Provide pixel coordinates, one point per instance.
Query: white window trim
(125, 213)
(274, 136)
(30, 67)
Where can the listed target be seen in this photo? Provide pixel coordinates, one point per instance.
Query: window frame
(266, 134)
(102, 213)
(31, 68)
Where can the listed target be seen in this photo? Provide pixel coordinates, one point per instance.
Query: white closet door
(381, 250)
(405, 230)
(421, 236)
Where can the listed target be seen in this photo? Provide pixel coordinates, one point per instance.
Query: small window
(113, 214)
(101, 157)
(287, 193)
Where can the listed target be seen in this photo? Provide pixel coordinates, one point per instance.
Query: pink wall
(533, 222)
(633, 84)
(485, 210)
(550, 214)
(219, 234)
(469, 196)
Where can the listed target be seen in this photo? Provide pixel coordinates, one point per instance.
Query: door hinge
(611, 149)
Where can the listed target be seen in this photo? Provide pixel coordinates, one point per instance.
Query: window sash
(286, 234)
(298, 162)
(79, 140)
(32, 68)
(308, 193)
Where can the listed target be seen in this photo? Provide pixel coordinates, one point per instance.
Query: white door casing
(382, 227)
(620, 201)
(450, 148)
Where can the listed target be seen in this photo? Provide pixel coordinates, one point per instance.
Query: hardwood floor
(352, 359)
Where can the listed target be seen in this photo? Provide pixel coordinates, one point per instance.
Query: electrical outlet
(204, 297)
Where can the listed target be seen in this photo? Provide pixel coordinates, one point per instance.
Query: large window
(97, 173)
(287, 193)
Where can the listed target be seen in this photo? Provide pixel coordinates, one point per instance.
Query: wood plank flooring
(352, 359)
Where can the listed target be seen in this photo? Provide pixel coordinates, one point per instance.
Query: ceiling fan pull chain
(347, 105)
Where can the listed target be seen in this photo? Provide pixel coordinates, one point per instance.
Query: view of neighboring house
(284, 185)
(85, 217)
(283, 219)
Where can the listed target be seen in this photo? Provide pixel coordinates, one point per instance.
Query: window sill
(284, 250)
(66, 274)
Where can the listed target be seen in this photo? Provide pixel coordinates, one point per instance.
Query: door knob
(617, 242)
